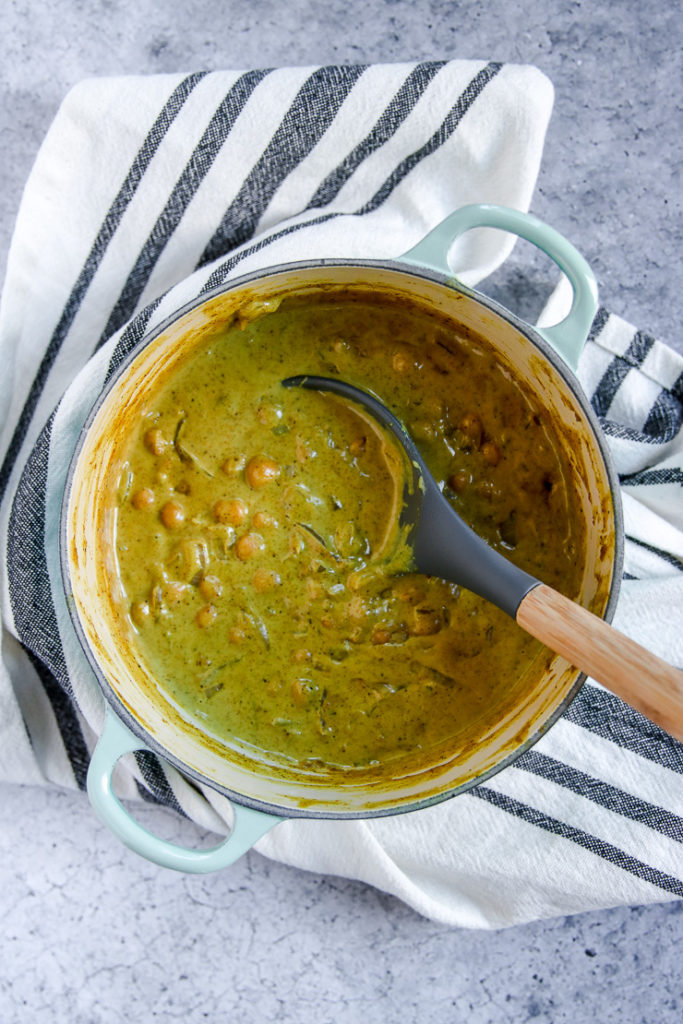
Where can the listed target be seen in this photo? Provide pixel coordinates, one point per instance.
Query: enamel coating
(566, 338)
(116, 740)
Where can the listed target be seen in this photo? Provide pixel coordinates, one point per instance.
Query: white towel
(146, 192)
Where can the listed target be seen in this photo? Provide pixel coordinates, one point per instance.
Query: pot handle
(117, 740)
(569, 336)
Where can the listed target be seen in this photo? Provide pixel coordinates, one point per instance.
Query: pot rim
(405, 269)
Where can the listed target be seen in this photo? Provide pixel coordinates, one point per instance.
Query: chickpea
(155, 442)
(301, 655)
(261, 470)
(423, 430)
(491, 453)
(380, 636)
(234, 465)
(164, 469)
(248, 545)
(357, 446)
(409, 592)
(433, 406)
(314, 590)
(206, 616)
(140, 612)
(172, 515)
(264, 521)
(302, 452)
(355, 609)
(269, 415)
(426, 621)
(299, 691)
(190, 559)
(173, 593)
(236, 635)
(230, 513)
(210, 587)
(459, 481)
(355, 580)
(486, 489)
(402, 362)
(264, 580)
(471, 427)
(142, 498)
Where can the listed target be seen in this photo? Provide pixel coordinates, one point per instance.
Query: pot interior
(91, 570)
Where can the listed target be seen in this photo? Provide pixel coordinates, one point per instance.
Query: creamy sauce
(258, 549)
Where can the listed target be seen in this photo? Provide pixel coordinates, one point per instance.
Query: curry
(262, 568)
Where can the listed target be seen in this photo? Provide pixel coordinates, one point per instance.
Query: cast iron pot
(138, 717)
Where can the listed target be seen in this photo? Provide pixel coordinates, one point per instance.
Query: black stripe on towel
(464, 102)
(182, 194)
(218, 275)
(664, 555)
(133, 334)
(156, 783)
(111, 222)
(599, 792)
(677, 388)
(446, 129)
(308, 118)
(614, 429)
(646, 477)
(30, 597)
(67, 721)
(599, 322)
(599, 847)
(396, 111)
(609, 717)
(665, 418)
(618, 370)
(387, 124)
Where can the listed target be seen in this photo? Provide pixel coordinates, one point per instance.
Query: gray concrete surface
(91, 934)
(610, 179)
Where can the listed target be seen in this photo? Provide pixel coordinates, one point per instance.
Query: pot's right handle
(117, 740)
(569, 336)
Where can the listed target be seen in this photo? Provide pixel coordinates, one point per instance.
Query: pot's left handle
(115, 741)
(569, 336)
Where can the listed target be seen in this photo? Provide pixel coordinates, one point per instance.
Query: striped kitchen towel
(150, 191)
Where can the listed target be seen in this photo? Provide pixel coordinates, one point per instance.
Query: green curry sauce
(257, 541)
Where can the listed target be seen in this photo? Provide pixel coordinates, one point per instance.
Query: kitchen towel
(147, 192)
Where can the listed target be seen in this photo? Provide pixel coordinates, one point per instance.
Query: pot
(138, 717)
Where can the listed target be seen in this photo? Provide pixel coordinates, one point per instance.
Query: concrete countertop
(92, 934)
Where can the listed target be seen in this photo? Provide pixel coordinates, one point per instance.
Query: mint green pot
(546, 358)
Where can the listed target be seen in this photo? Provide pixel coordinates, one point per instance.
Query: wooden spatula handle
(643, 680)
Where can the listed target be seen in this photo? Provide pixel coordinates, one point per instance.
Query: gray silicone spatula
(443, 545)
